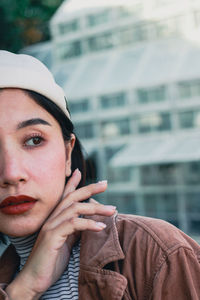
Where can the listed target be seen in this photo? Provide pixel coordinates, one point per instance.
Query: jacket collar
(98, 250)
(101, 248)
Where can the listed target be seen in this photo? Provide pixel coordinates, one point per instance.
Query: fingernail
(110, 207)
(76, 171)
(103, 182)
(101, 225)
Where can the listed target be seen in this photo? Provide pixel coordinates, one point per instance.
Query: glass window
(194, 227)
(98, 19)
(103, 41)
(79, 106)
(161, 205)
(70, 50)
(150, 205)
(186, 119)
(84, 131)
(154, 122)
(190, 173)
(143, 95)
(126, 36)
(184, 90)
(136, 34)
(195, 88)
(168, 204)
(114, 100)
(68, 27)
(115, 128)
(122, 174)
(141, 33)
(155, 94)
(164, 174)
(188, 89)
(110, 151)
(125, 203)
(189, 119)
(170, 27)
(192, 202)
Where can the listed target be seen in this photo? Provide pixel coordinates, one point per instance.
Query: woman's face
(34, 162)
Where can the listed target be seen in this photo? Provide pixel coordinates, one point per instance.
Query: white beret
(26, 72)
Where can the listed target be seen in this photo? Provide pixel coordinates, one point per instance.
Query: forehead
(13, 97)
(16, 106)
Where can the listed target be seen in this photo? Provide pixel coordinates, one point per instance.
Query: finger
(70, 187)
(86, 192)
(77, 209)
(93, 200)
(79, 195)
(72, 183)
(56, 237)
(77, 224)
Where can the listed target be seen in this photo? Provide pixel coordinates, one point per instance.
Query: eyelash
(32, 136)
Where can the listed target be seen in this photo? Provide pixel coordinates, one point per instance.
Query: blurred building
(43, 51)
(131, 70)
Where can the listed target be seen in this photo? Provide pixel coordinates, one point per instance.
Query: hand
(50, 255)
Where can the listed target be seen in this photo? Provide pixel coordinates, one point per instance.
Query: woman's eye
(34, 141)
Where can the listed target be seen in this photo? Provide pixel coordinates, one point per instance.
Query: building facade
(131, 71)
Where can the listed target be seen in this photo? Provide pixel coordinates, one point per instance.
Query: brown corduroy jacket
(134, 258)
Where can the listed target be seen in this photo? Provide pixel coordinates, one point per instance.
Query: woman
(63, 246)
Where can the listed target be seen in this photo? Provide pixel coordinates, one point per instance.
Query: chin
(20, 231)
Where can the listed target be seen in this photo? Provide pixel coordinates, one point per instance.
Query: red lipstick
(16, 205)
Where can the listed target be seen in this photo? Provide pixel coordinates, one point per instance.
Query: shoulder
(160, 254)
(153, 232)
(158, 260)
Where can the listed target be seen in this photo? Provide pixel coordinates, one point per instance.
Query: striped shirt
(67, 285)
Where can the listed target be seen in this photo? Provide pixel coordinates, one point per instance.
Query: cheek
(49, 168)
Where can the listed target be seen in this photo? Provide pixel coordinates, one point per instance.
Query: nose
(12, 171)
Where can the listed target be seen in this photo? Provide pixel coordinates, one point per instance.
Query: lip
(15, 205)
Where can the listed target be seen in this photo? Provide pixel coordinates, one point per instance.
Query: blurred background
(131, 73)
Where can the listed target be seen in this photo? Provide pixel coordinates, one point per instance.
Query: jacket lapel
(97, 251)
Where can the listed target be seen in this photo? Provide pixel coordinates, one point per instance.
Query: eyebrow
(35, 121)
